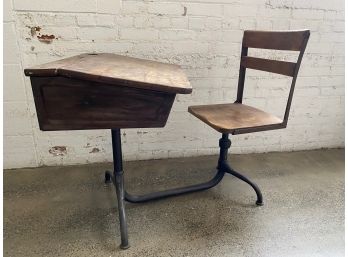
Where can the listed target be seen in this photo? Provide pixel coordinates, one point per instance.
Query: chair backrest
(292, 40)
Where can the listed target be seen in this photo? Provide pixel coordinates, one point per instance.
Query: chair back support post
(293, 82)
(276, 40)
(241, 79)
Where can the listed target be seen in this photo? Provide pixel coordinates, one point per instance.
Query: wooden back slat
(279, 67)
(277, 40)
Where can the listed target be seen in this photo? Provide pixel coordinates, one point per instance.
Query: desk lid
(118, 70)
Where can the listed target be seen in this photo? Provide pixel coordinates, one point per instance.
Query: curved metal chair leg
(176, 191)
(229, 170)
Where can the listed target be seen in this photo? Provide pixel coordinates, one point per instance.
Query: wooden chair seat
(235, 118)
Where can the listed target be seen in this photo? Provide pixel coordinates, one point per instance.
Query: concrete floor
(68, 211)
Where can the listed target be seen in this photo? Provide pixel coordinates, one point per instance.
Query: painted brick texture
(204, 37)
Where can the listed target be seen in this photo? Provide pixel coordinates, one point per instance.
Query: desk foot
(119, 183)
(124, 247)
(108, 177)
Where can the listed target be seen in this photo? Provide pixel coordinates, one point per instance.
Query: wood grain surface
(291, 40)
(274, 66)
(228, 118)
(117, 70)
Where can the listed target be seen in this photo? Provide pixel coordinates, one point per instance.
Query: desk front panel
(71, 104)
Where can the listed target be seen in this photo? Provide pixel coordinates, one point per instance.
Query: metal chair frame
(281, 40)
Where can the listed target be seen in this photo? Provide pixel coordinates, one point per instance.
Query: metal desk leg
(119, 184)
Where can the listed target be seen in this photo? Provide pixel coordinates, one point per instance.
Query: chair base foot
(259, 203)
(228, 169)
(124, 247)
(108, 177)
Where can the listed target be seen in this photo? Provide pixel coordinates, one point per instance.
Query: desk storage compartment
(71, 104)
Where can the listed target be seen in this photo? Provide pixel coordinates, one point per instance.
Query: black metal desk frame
(118, 179)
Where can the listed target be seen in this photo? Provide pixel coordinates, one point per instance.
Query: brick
(139, 34)
(177, 34)
(161, 22)
(133, 7)
(86, 20)
(14, 89)
(56, 6)
(19, 152)
(275, 13)
(240, 11)
(61, 33)
(209, 35)
(179, 22)
(335, 37)
(196, 23)
(232, 36)
(332, 91)
(309, 14)
(142, 22)
(225, 48)
(111, 47)
(280, 24)
(247, 24)
(169, 8)
(109, 6)
(52, 19)
(16, 118)
(11, 55)
(331, 15)
(264, 24)
(105, 21)
(97, 33)
(213, 24)
(339, 26)
(332, 80)
(198, 9)
(230, 23)
(308, 91)
(7, 11)
(125, 21)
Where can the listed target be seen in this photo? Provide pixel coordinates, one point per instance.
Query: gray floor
(68, 211)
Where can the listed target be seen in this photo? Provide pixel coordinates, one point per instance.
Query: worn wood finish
(238, 118)
(278, 40)
(274, 66)
(227, 118)
(117, 70)
(70, 104)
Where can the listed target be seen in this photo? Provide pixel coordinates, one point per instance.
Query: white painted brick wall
(204, 37)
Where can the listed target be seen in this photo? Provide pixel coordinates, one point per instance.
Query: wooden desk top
(117, 70)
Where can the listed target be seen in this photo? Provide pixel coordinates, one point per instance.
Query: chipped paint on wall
(58, 150)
